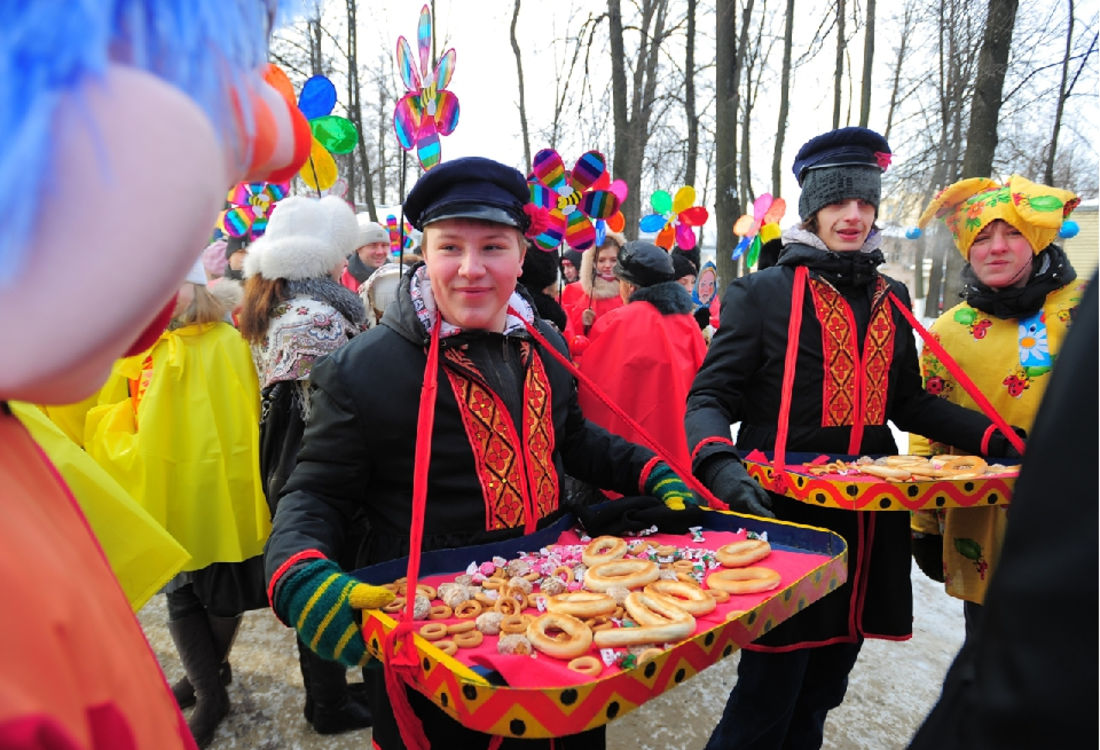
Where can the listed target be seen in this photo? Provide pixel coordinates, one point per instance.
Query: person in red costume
(599, 292)
(105, 127)
(645, 354)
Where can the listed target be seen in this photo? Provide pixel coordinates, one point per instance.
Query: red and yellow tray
(816, 563)
(863, 492)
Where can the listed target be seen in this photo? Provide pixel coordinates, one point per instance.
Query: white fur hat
(371, 231)
(305, 239)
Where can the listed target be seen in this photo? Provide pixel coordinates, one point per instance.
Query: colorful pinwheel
(395, 235)
(674, 219)
(765, 210)
(332, 134)
(616, 222)
(569, 199)
(249, 208)
(428, 110)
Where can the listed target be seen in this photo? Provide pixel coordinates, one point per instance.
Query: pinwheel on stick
(752, 229)
(332, 134)
(569, 199)
(428, 110)
(674, 219)
(249, 208)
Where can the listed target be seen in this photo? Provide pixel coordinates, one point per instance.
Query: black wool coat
(360, 439)
(740, 381)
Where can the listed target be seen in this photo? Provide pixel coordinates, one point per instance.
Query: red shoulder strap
(959, 375)
(794, 325)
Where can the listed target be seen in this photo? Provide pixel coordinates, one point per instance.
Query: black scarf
(847, 269)
(346, 302)
(357, 268)
(1051, 270)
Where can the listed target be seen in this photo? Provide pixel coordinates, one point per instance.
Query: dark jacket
(741, 381)
(360, 441)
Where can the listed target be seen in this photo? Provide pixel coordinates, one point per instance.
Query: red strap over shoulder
(794, 325)
(961, 376)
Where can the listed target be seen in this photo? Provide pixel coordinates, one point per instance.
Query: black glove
(702, 317)
(999, 447)
(928, 553)
(728, 480)
(617, 517)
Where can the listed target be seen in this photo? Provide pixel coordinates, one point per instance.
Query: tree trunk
(748, 195)
(632, 125)
(784, 102)
(1048, 172)
(356, 112)
(522, 99)
(692, 155)
(903, 37)
(838, 71)
(727, 205)
(868, 65)
(981, 136)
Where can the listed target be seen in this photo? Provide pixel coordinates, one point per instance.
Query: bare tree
(1065, 89)
(632, 122)
(899, 61)
(689, 98)
(727, 205)
(519, 75)
(868, 65)
(784, 101)
(838, 71)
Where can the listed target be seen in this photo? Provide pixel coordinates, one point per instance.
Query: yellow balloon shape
(685, 199)
(319, 172)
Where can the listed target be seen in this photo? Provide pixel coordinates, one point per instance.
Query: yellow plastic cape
(143, 556)
(190, 454)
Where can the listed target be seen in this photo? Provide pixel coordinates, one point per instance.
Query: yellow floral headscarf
(967, 206)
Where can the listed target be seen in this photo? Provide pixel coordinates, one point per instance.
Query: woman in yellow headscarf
(1020, 293)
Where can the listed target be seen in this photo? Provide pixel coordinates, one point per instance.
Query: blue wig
(206, 48)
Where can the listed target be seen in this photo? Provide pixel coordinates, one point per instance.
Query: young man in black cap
(498, 392)
(855, 367)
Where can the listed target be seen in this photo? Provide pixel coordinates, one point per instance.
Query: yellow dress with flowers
(1010, 361)
(185, 443)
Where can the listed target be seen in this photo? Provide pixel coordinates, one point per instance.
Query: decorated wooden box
(805, 481)
(538, 695)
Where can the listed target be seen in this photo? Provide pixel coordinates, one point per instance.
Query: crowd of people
(319, 404)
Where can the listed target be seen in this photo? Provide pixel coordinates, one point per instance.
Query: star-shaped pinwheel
(570, 202)
(428, 110)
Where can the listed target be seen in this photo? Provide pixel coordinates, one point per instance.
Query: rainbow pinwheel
(570, 199)
(395, 235)
(332, 134)
(674, 219)
(765, 210)
(616, 222)
(249, 208)
(428, 110)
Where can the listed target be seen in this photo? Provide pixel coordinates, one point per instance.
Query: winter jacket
(856, 365)
(499, 395)
(1010, 360)
(644, 356)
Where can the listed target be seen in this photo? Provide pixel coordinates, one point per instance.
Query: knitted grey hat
(839, 165)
